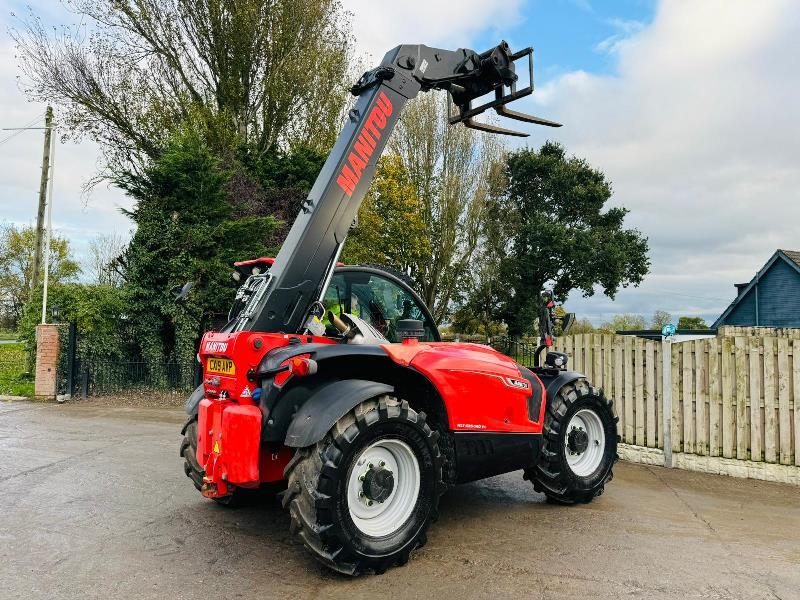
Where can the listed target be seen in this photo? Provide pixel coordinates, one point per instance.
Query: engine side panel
(483, 390)
(480, 455)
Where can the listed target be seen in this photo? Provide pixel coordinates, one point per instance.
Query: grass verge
(14, 377)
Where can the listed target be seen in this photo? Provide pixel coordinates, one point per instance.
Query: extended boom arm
(302, 269)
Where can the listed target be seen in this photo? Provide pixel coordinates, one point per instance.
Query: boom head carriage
(467, 76)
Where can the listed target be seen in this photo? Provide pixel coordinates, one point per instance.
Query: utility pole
(49, 231)
(37, 253)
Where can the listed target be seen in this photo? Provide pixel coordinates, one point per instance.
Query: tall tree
(390, 229)
(660, 318)
(270, 72)
(479, 299)
(624, 322)
(564, 236)
(102, 264)
(187, 229)
(449, 169)
(17, 246)
(692, 323)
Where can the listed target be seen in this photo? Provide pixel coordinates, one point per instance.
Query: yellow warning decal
(216, 447)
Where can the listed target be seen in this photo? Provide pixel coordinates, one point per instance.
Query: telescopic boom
(307, 258)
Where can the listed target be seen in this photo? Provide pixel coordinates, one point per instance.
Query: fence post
(71, 349)
(666, 389)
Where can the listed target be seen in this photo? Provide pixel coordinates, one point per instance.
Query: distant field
(14, 378)
(8, 335)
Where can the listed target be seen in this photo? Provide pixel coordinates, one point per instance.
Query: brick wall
(46, 361)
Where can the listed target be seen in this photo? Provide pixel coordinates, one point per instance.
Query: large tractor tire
(362, 499)
(579, 446)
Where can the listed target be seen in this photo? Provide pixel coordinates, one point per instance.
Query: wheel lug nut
(383, 463)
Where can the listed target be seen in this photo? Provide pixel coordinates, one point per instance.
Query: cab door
(378, 297)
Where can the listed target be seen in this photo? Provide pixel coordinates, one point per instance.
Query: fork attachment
(501, 64)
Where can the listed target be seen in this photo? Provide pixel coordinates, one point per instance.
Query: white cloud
(699, 130)
(380, 26)
(624, 29)
(75, 215)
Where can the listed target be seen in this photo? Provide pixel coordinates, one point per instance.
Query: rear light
(300, 366)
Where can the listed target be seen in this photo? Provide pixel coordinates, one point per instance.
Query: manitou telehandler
(367, 433)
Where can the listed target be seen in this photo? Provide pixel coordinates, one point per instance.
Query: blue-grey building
(771, 298)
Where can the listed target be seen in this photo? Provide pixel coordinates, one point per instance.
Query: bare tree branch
(132, 71)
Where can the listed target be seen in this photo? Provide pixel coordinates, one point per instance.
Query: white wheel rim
(585, 463)
(375, 518)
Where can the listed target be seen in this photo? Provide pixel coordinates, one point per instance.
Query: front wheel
(363, 498)
(579, 445)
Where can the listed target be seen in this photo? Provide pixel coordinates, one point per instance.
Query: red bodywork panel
(228, 439)
(482, 389)
(228, 419)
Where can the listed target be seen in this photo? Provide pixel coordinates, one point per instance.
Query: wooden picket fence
(732, 397)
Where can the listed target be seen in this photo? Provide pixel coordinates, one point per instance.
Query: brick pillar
(46, 361)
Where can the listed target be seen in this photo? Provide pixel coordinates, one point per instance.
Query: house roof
(792, 257)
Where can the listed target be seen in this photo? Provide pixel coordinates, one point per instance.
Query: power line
(18, 130)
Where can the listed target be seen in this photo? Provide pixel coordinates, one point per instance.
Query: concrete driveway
(94, 504)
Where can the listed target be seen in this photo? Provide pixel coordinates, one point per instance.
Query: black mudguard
(194, 400)
(553, 383)
(327, 405)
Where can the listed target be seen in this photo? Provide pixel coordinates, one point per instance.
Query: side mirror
(546, 318)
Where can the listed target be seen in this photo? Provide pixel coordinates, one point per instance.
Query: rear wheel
(363, 498)
(188, 451)
(579, 445)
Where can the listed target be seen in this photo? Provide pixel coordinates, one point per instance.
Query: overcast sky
(690, 108)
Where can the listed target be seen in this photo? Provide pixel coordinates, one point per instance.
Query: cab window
(377, 300)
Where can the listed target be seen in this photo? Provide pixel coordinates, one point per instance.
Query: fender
(327, 405)
(280, 405)
(554, 384)
(194, 401)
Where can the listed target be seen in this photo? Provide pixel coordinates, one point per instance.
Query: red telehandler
(366, 433)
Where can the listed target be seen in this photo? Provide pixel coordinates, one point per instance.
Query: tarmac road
(94, 504)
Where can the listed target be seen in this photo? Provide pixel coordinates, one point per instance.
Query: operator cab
(379, 298)
(374, 295)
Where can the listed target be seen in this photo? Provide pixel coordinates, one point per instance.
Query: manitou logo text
(365, 144)
(216, 347)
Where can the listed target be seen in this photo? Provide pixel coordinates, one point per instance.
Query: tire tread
(550, 475)
(312, 481)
